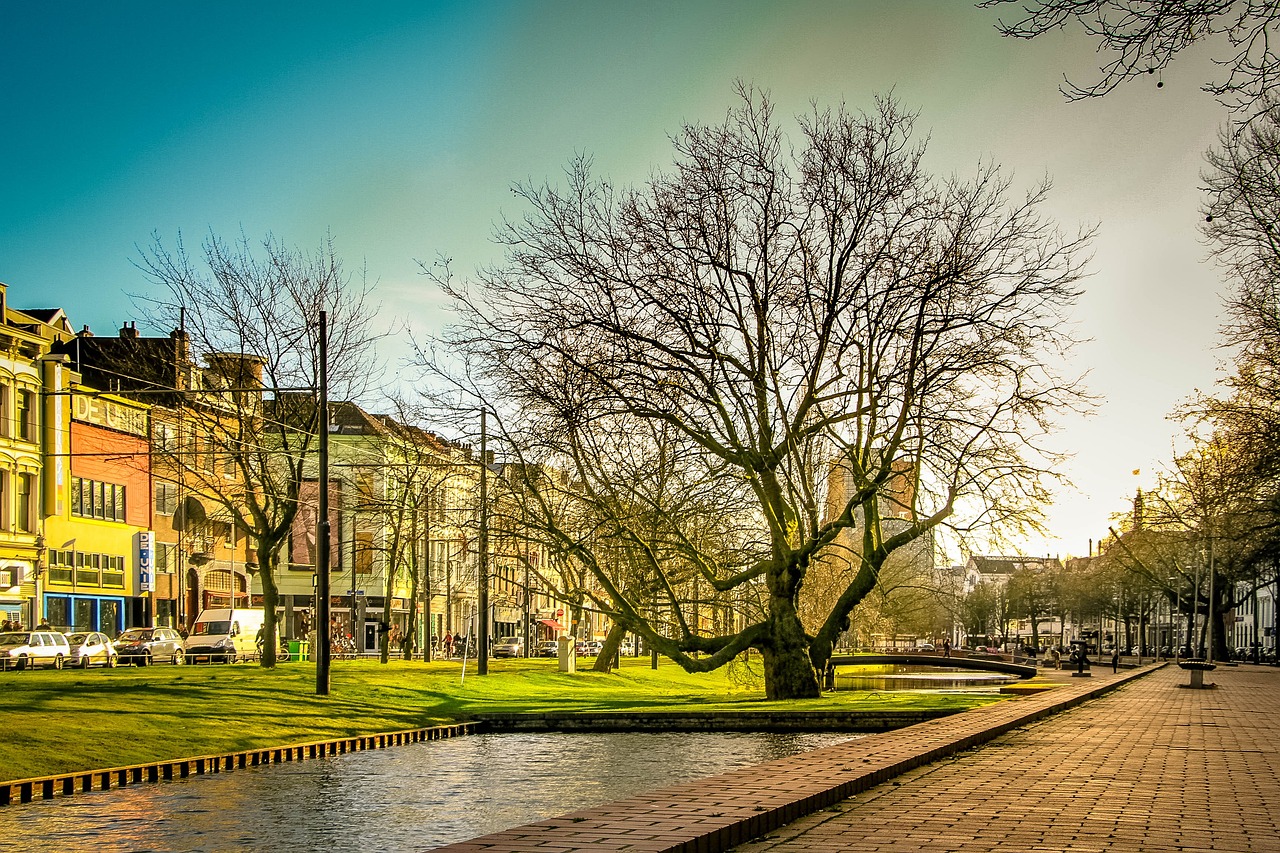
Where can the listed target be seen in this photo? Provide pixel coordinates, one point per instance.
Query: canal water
(414, 797)
(934, 679)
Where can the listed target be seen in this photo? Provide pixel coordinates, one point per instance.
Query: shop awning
(552, 624)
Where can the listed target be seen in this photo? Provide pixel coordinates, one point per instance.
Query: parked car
(627, 648)
(27, 649)
(227, 635)
(144, 646)
(924, 647)
(508, 647)
(589, 648)
(548, 649)
(90, 647)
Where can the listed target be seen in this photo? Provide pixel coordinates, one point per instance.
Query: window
(166, 558)
(26, 514)
(163, 437)
(5, 496)
(26, 416)
(364, 553)
(6, 426)
(112, 571)
(61, 564)
(166, 498)
(91, 499)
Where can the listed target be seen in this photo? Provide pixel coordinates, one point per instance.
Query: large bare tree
(251, 312)
(765, 315)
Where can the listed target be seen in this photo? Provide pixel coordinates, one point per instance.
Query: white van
(224, 635)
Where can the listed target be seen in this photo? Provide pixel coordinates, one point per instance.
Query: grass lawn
(57, 722)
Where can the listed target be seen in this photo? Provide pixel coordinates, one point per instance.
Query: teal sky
(400, 127)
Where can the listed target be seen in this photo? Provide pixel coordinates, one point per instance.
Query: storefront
(71, 612)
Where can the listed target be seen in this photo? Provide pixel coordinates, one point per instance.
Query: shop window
(86, 618)
(110, 617)
(57, 610)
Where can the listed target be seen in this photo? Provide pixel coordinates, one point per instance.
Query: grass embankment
(58, 722)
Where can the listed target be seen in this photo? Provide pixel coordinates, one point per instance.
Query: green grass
(58, 722)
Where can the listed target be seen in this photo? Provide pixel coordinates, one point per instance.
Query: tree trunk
(270, 595)
(788, 674)
(788, 671)
(604, 661)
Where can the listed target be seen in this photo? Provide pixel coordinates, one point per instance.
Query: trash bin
(299, 650)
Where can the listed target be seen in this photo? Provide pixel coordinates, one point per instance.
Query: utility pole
(322, 526)
(483, 662)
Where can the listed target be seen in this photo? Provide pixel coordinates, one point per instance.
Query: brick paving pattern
(716, 813)
(1150, 767)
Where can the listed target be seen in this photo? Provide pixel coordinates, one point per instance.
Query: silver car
(91, 647)
(508, 647)
(28, 649)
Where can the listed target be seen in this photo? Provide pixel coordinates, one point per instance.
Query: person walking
(946, 647)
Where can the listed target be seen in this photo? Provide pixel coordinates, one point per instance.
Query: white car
(27, 649)
(90, 647)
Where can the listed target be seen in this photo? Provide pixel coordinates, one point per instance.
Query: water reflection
(936, 679)
(414, 797)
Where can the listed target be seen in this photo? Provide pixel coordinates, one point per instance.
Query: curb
(83, 782)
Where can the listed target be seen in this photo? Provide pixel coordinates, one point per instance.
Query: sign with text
(109, 414)
(146, 567)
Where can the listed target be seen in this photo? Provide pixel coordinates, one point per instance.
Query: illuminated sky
(399, 127)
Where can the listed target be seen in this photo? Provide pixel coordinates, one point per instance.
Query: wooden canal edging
(81, 782)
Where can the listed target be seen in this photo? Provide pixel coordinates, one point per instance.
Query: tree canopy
(767, 346)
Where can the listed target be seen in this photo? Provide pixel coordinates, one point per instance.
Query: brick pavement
(1148, 768)
(716, 813)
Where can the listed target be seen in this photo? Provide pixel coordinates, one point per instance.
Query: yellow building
(24, 342)
(97, 504)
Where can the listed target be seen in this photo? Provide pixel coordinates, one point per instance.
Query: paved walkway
(1151, 767)
(1148, 766)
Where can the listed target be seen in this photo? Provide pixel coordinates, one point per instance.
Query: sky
(400, 127)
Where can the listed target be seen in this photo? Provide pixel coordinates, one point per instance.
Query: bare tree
(772, 315)
(252, 313)
(1142, 37)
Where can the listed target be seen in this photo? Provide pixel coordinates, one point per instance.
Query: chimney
(129, 330)
(85, 333)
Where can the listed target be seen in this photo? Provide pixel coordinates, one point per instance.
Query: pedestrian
(1115, 660)
(448, 644)
(946, 647)
(1056, 654)
(44, 625)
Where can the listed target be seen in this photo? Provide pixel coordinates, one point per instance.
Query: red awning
(552, 624)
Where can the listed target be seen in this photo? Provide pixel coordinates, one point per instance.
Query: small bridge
(926, 659)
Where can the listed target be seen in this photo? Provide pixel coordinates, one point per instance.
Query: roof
(1005, 565)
